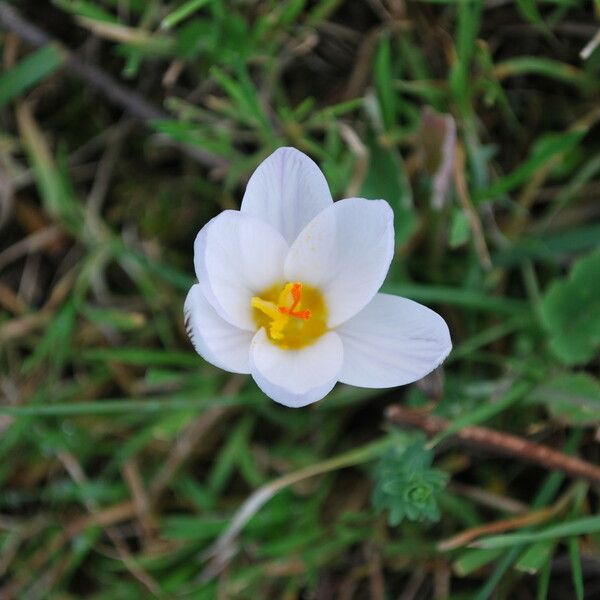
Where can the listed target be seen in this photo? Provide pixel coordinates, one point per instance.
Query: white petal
(345, 251)
(214, 339)
(392, 341)
(237, 256)
(287, 190)
(296, 377)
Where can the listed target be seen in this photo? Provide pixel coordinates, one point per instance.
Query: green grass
(124, 456)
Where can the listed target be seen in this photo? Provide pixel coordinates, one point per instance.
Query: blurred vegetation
(124, 457)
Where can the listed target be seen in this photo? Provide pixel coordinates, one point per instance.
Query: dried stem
(466, 537)
(500, 443)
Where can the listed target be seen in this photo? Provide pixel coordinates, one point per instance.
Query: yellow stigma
(294, 314)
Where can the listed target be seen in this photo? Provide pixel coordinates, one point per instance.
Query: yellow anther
(286, 297)
(279, 319)
(266, 307)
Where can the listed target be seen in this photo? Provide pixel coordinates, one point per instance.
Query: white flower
(288, 290)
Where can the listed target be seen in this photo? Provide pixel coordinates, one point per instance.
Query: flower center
(294, 315)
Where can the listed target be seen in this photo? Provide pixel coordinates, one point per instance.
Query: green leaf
(50, 176)
(471, 299)
(468, 25)
(571, 312)
(82, 8)
(244, 95)
(190, 400)
(530, 11)
(290, 12)
(582, 526)
(545, 67)
(536, 556)
(184, 527)
(117, 318)
(549, 247)
(195, 37)
(460, 232)
(572, 398)
(182, 12)
(576, 572)
(143, 357)
(195, 135)
(473, 559)
(548, 147)
(29, 71)
(544, 582)
(383, 82)
(55, 346)
(230, 455)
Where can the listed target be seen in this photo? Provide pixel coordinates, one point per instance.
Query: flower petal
(345, 251)
(296, 378)
(237, 256)
(392, 341)
(286, 191)
(214, 339)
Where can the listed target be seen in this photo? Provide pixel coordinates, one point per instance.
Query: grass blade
(28, 72)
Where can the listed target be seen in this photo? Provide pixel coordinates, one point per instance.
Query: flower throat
(293, 314)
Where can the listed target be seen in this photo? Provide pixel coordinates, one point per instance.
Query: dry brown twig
(467, 536)
(499, 443)
(21, 326)
(139, 495)
(526, 519)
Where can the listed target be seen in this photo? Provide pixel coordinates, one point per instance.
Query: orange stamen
(296, 295)
(296, 292)
(301, 314)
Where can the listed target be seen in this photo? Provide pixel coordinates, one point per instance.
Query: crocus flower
(288, 290)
